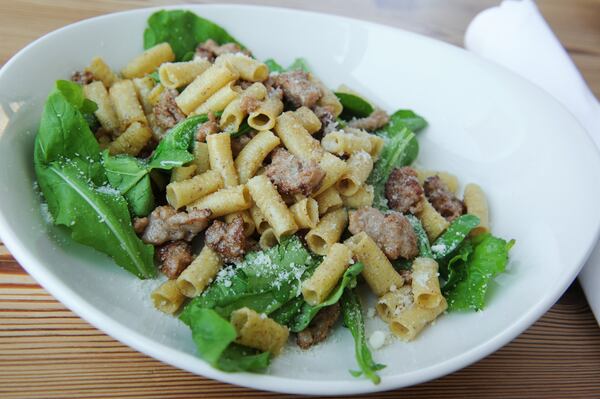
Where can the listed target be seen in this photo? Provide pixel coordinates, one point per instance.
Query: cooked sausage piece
(227, 239)
(292, 175)
(211, 49)
(166, 111)
(174, 257)
(376, 120)
(140, 224)
(325, 115)
(392, 232)
(319, 327)
(403, 190)
(166, 224)
(297, 89)
(209, 127)
(82, 78)
(442, 199)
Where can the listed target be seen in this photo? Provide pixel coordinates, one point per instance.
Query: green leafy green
(131, 176)
(354, 106)
(353, 320)
(407, 118)
(243, 129)
(154, 75)
(308, 312)
(472, 270)
(299, 64)
(286, 314)
(424, 248)
(453, 236)
(274, 66)
(214, 336)
(71, 176)
(400, 149)
(183, 30)
(265, 281)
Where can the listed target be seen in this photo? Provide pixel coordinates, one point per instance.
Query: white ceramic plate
(486, 125)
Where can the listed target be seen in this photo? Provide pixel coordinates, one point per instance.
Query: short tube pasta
(250, 159)
(308, 119)
(148, 61)
(218, 101)
(392, 303)
(476, 204)
(258, 331)
(267, 239)
(329, 200)
(221, 158)
(342, 143)
(184, 192)
(143, 88)
(328, 99)
(126, 105)
(264, 117)
(204, 86)
(359, 167)
(102, 72)
(363, 197)
(425, 283)
(259, 219)
(132, 140)
(224, 201)
(296, 138)
(178, 74)
(433, 223)
(411, 321)
(334, 169)
(167, 298)
(378, 272)
(329, 230)
(324, 279)
(105, 113)
(271, 205)
(196, 277)
(201, 159)
(306, 213)
(248, 68)
(236, 111)
(182, 173)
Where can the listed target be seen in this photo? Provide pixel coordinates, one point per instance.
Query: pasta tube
(324, 279)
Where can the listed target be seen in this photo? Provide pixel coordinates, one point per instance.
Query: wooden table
(48, 352)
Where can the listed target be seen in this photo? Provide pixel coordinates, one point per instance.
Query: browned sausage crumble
(174, 257)
(227, 239)
(292, 175)
(378, 119)
(166, 111)
(297, 88)
(210, 49)
(403, 190)
(166, 224)
(209, 127)
(320, 327)
(442, 199)
(82, 78)
(392, 232)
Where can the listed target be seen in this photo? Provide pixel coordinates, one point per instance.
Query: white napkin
(515, 35)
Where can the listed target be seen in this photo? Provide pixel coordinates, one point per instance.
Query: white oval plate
(540, 170)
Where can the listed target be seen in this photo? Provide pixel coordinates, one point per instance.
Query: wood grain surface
(48, 352)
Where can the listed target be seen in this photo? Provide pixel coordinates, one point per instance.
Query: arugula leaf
(286, 314)
(240, 358)
(243, 129)
(354, 106)
(183, 30)
(407, 118)
(454, 235)
(469, 279)
(154, 75)
(265, 281)
(424, 248)
(70, 174)
(274, 66)
(131, 176)
(400, 149)
(308, 312)
(353, 320)
(299, 64)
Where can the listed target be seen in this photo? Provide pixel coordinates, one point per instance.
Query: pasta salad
(263, 196)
